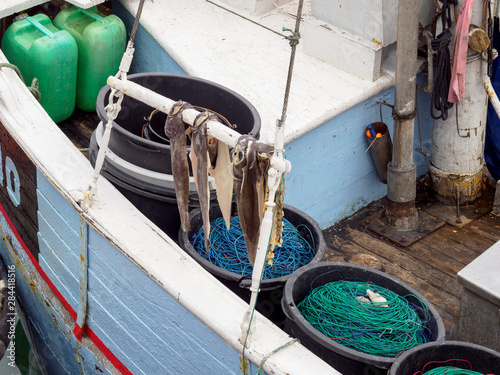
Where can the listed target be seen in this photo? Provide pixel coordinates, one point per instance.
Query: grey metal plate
(426, 224)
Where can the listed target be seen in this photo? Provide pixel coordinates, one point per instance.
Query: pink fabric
(457, 83)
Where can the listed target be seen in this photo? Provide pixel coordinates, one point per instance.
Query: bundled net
(448, 370)
(228, 250)
(342, 311)
(448, 367)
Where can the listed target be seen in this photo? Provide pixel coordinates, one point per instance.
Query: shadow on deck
(430, 265)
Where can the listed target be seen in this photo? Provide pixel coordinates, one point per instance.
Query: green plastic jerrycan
(41, 50)
(101, 42)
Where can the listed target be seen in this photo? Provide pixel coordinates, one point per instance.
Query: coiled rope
(335, 309)
(228, 250)
(34, 88)
(448, 370)
(442, 78)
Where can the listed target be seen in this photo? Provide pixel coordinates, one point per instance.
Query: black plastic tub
(271, 290)
(158, 203)
(127, 136)
(347, 361)
(481, 359)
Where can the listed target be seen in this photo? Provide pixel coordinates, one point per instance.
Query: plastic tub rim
(157, 179)
(402, 358)
(105, 91)
(245, 282)
(381, 362)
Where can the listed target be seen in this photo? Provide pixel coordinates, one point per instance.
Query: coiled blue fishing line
(228, 250)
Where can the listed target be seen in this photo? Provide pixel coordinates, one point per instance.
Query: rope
(260, 370)
(337, 310)
(136, 22)
(451, 371)
(228, 250)
(448, 370)
(294, 41)
(442, 78)
(440, 45)
(34, 88)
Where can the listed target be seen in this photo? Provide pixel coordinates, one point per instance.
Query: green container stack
(101, 42)
(41, 50)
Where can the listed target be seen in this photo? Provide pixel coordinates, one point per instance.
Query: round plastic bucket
(342, 358)
(437, 354)
(127, 138)
(152, 193)
(269, 301)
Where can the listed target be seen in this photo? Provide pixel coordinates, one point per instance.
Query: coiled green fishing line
(228, 250)
(335, 310)
(447, 370)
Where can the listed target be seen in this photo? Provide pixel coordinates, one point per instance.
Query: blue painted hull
(133, 325)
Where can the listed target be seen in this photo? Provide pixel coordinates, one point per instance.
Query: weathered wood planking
(466, 237)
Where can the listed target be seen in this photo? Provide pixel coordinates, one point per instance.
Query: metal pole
(401, 171)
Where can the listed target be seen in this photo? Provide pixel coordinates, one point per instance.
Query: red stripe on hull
(92, 336)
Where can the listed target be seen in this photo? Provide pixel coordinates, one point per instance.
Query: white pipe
(164, 104)
(489, 89)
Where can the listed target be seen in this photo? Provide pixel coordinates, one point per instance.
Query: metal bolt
(403, 239)
(476, 211)
(458, 221)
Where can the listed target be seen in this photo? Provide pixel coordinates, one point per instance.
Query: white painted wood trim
(153, 251)
(9, 7)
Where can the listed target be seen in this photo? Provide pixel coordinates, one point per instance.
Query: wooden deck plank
(466, 237)
(398, 256)
(485, 230)
(446, 253)
(491, 220)
(429, 250)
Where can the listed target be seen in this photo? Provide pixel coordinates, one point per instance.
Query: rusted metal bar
(401, 171)
(84, 263)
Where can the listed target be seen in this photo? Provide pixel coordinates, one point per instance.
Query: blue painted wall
(332, 176)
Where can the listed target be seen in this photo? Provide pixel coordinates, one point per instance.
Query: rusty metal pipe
(401, 171)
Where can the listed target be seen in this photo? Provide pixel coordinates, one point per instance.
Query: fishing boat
(102, 289)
